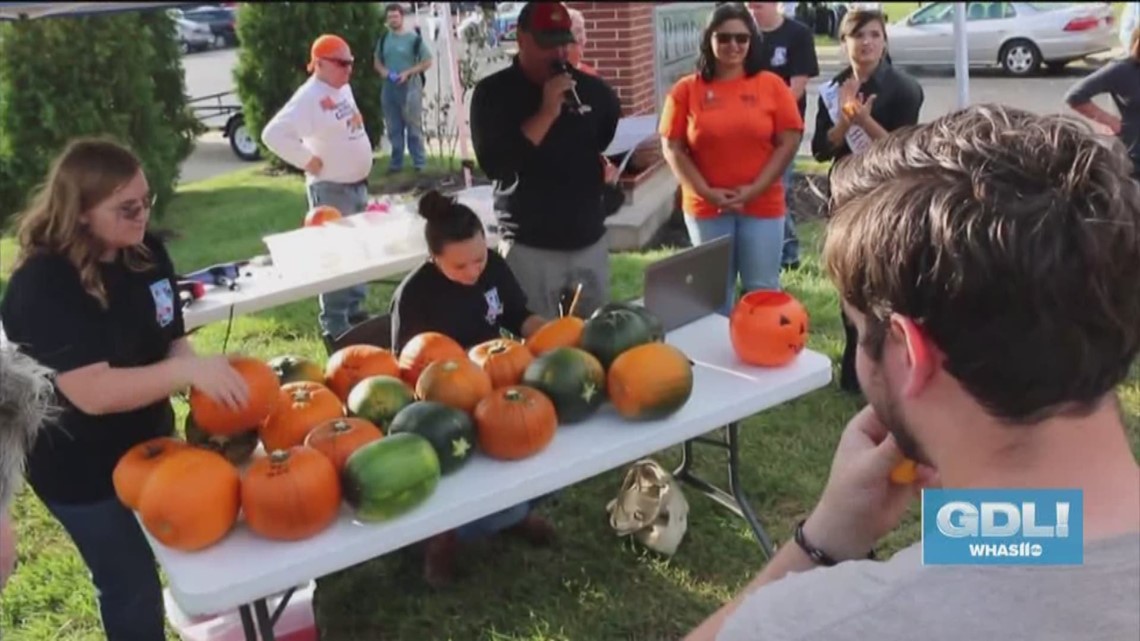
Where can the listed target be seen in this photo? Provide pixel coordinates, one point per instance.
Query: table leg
(734, 499)
(263, 629)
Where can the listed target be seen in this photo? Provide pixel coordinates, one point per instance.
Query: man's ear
(923, 357)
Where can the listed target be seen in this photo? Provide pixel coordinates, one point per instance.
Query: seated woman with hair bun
(467, 292)
(464, 290)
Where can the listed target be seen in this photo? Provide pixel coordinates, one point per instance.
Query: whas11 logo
(1002, 527)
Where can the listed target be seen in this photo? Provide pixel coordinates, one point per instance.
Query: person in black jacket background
(861, 104)
(543, 149)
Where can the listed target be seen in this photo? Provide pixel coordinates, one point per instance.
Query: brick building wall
(620, 45)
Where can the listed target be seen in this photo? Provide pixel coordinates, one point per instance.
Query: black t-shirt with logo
(789, 51)
(428, 301)
(48, 314)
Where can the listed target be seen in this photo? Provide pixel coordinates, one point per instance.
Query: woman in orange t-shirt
(728, 132)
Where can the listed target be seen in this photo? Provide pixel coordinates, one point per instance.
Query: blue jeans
(496, 522)
(756, 249)
(122, 568)
(403, 118)
(339, 306)
(791, 251)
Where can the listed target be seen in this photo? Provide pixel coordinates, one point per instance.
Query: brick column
(620, 45)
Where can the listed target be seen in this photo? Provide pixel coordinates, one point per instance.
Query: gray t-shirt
(902, 600)
(1120, 79)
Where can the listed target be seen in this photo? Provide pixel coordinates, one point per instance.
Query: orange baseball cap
(325, 46)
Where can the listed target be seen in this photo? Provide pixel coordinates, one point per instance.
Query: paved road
(212, 72)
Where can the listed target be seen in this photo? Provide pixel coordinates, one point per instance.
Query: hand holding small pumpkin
(216, 377)
(860, 504)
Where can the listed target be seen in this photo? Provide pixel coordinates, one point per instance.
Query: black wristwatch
(818, 556)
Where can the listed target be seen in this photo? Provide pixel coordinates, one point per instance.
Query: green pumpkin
(572, 378)
(610, 333)
(656, 329)
(237, 449)
(450, 431)
(389, 477)
(379, 399)
(293, 369)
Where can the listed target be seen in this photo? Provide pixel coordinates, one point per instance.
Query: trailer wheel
(244, 145)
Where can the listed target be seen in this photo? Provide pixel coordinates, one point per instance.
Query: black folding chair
(374, 331)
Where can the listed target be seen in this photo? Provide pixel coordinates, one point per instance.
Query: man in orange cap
(320, 130)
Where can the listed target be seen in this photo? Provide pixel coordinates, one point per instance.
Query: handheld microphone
(561, 66)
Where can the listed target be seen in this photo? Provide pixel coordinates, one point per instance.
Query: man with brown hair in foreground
(990, 261)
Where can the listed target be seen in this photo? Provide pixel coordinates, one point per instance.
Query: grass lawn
(593, 587)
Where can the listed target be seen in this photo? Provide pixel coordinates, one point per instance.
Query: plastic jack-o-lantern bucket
(321, 214)
(768, 328)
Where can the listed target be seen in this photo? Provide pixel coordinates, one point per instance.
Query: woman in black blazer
(861, 104)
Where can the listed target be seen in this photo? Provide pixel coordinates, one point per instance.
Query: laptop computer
(690, 284)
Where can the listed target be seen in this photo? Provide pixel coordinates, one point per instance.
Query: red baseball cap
(547, 22)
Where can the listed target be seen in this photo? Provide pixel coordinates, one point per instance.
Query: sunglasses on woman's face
(132, 210)
(738, 38)
(340, 62)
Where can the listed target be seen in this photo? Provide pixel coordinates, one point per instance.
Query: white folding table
(262, 287)
(243, 571)
(265, 287)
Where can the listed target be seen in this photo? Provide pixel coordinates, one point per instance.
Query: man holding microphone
(538, 128)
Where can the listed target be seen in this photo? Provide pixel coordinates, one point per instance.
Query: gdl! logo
(1002, 527)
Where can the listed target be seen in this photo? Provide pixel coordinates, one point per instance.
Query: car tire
(242, 143)
(1020, 58)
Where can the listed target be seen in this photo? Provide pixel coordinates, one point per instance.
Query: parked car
(192, 36)
(1018, 36)
(221, 22)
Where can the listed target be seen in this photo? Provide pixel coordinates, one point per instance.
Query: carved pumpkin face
(768, 328)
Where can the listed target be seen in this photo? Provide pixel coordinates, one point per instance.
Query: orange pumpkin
(321, 214)
(339, 438)
(137, 464)
(515, 422)
(191, 500)
(302, 407)
(219, 420)
(768, 328)
(504, 360)
(560, 332)
(455, 382)
(352, 364)
(290, 495)
(650, 381)
(904, 473)
(425, 349)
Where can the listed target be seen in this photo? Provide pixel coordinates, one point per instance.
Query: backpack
(415, 51)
